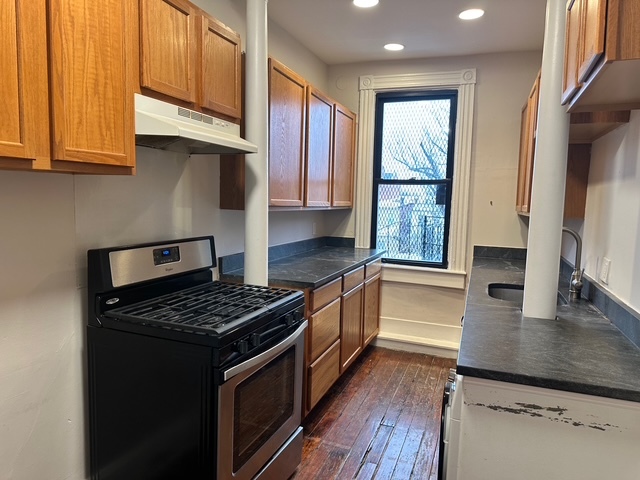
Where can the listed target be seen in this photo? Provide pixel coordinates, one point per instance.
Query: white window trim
(463, 81)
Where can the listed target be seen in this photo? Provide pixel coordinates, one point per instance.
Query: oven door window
(263, 402)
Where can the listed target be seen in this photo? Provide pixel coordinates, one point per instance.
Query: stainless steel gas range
(190, 378)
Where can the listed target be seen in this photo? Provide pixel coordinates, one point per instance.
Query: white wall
(430, 316)
(612, 219)
(503, 84)
(47, 222)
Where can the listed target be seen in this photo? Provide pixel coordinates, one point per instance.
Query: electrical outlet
(313, 228)
(604, 270)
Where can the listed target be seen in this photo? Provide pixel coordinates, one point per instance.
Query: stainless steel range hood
(163, 125)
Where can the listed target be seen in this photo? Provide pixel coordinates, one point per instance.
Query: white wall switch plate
(604, 270)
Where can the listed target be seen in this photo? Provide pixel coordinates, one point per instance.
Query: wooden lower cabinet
(344, 316)
(322, 374)
(324, 329)
(351, 326)
(371, 317)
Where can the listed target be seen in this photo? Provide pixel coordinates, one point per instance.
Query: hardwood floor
(380, 420)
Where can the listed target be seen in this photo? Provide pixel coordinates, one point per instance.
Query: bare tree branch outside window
(413, 178)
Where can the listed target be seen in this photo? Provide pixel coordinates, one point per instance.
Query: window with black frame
(412, 177)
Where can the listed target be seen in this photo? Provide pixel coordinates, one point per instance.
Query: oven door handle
(266, 355)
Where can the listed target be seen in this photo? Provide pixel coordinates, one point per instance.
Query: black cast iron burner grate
(205, 308)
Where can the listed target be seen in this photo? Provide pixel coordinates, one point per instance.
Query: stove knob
(255, 339)
(288, 319)
(242, 346)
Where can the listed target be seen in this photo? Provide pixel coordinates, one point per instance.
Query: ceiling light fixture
(394, 47)
(471, 14)
(365, 3)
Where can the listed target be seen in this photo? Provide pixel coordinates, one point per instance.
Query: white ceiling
(338, 32)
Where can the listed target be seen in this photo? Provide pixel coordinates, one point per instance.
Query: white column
(256, 237)
(549, 175)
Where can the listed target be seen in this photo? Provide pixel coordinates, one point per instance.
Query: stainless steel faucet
(576, 277)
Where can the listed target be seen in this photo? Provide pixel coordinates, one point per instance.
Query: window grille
(413, 173)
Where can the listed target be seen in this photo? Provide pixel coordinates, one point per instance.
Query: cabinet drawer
(353, 279)
(325, 294)
(323, 373)
(324, 329)
(372, 268)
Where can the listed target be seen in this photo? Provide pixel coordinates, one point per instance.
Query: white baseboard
(409, 343)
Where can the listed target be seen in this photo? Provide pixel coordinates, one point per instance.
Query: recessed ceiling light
(365, 3)
(471, 14)
(394, 47)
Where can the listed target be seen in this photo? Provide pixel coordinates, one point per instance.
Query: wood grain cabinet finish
(24, 92)
(343, 157)
(324, 329)
(169, 47)
(78, 58)
(344, 317)
(371, 316)
(584, 127)
(190, 56)
(602, 55)
(312, 141)
(220, 81)
(319, 149)
(592, 46)
(319, 297)
(287, 117)
(351, 326)
(527, 149)
(352, 279)
(572, 51)
(322, 374)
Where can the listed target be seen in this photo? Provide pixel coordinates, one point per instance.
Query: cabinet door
(220, 74)
(522, 161)
(324, 329)
(287, 114)
(319, 141)
(573, 50)
(168, 48)
(322, 374)
(24, 108)
(532, 125)
(344, 149)
(92, 82)
(371, 322)
(595, 17)
(351, 327)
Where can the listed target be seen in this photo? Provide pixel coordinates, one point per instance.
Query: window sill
(434, 277)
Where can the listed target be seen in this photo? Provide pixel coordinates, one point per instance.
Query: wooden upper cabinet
(344, 148)
(287, 116)
(594, 14)
(603, 55)
(92, 82)
(24, 107)
(573, 51)
(532, 130)
(584, 128)
(319, 144)
(68, 69)
(168, 47)
(522, 159)
(220, 82)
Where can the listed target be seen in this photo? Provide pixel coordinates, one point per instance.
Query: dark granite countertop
(312, 268)
(581, 351)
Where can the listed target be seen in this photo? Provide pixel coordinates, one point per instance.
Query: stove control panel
(166, 255)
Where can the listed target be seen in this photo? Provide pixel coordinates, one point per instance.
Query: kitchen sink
(514, 293)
